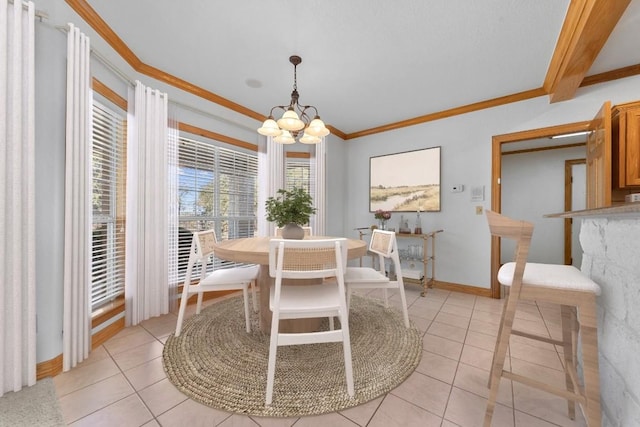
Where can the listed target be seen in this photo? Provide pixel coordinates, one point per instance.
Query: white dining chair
(222, 279)
(383, 244)
(308, 259)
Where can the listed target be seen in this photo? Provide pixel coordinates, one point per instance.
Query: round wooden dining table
(255, 250)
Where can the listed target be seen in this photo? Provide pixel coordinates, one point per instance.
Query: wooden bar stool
(559, 284)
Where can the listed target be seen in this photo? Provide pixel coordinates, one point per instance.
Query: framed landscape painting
(405, 182)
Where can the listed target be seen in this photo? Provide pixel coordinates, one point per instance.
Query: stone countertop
(624, 210)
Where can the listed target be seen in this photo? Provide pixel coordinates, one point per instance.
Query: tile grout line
(453, 380)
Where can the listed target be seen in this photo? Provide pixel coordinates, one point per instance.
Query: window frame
(108, 137)
(224, 161)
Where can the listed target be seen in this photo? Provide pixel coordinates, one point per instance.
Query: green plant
(295, 206)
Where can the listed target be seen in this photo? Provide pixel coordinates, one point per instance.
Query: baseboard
(466, 289)
(104, 334)
(49, 368)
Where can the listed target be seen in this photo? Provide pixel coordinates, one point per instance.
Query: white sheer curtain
(17, 206)
(76, 338)
(173, 216)
(149, 206)
(318, 172)
(270, 179)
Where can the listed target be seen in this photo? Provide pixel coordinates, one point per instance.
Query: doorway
(575, 197)
(499, 144)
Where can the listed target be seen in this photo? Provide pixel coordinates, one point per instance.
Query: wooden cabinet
(626, 145)
(599, 159)
(613, 155)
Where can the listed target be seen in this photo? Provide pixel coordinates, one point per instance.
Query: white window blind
(298, 174)
(217, 188)
(108, 200)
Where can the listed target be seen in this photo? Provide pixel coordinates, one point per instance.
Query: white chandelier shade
(290, 121)
(285, 137)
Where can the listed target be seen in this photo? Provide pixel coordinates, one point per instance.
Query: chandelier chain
(295, 77)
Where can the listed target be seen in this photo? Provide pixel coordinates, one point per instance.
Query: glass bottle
(418, 229)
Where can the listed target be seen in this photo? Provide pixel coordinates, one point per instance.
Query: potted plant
(290, 209)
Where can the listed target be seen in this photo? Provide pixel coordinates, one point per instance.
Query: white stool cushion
(551, 276)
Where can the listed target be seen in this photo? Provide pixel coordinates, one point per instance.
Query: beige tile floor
(123, 382)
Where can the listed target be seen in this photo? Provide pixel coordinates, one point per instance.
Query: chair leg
(386, 299)
(499, 356)
(495, 349)
(273, 349)
(568, 326)
(346, 345)
(254, 298)
(181, 311)
(590, 370)
(245, 294)
(405, 311)
(331, 323)
(199, 303)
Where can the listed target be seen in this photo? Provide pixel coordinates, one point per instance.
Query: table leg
(264, 284)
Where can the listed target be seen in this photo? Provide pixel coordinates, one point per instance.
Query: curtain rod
(123, 76)
(41, 14)
(131, 82)
(102, 59)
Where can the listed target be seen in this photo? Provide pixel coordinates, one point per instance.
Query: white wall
(336, 186)
(463, 250)
(50, 86)
(532, 186)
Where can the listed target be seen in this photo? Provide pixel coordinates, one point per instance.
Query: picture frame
(405, 182)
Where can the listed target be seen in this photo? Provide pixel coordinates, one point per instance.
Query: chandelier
(296, 121)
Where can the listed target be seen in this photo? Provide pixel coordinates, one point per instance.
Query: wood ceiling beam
(586, 29)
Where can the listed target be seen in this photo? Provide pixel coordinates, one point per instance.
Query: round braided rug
(215, 362)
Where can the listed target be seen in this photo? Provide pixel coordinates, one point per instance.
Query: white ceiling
(365, 63)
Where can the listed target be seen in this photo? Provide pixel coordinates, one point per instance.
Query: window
(108, 202)
(217, 188)
(297, 173)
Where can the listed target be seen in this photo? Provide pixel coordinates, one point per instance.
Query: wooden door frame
(496, 168)
(568, 201)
